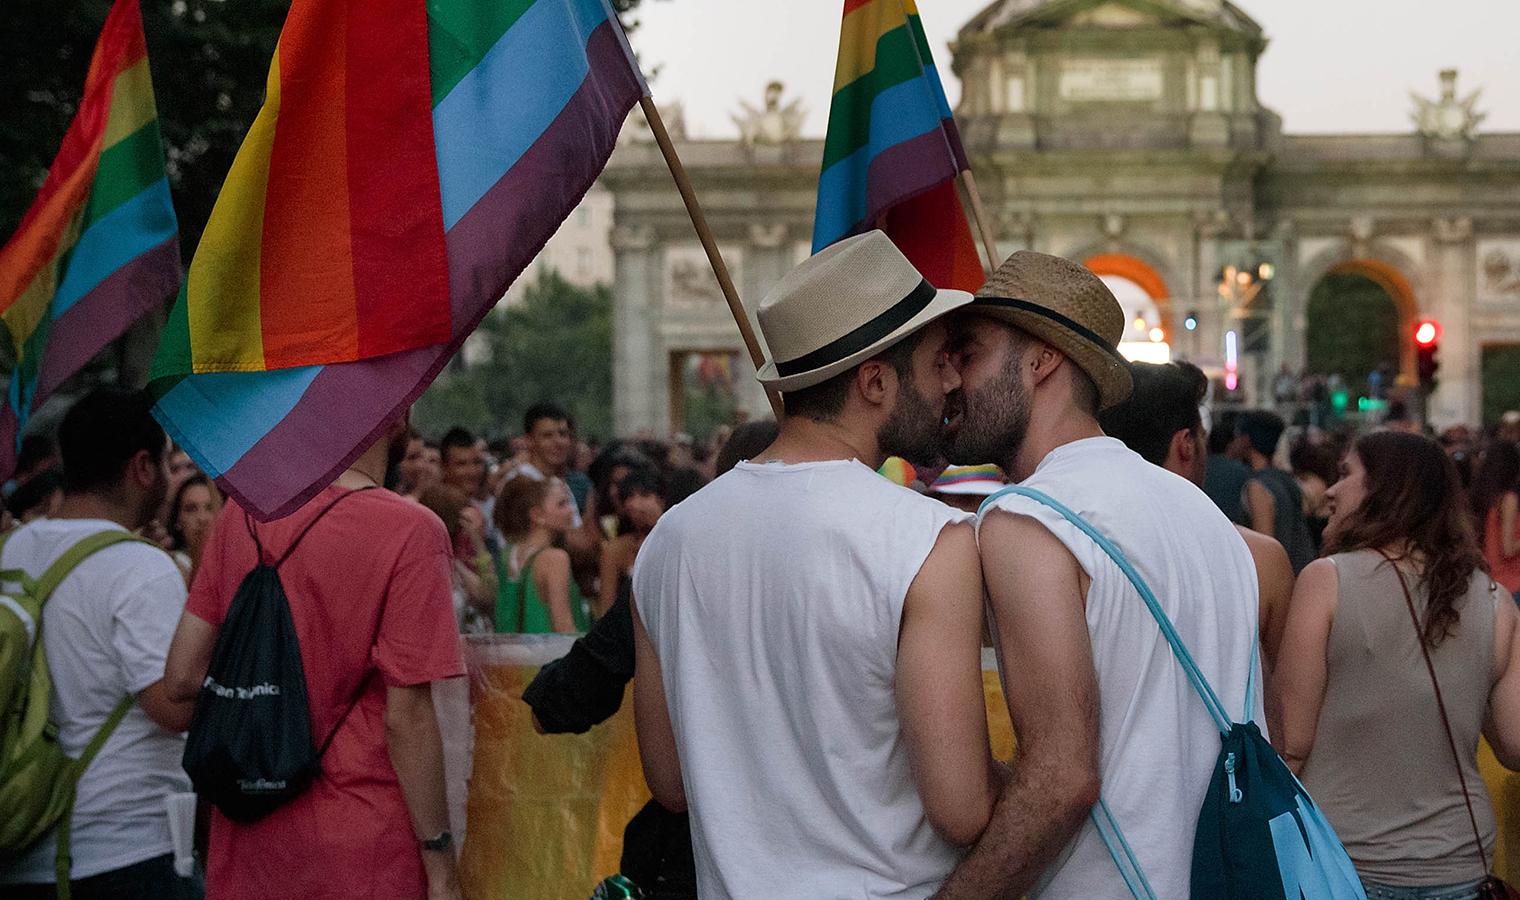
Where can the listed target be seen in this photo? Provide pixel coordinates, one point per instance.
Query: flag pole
(989, 242)
(704, 234)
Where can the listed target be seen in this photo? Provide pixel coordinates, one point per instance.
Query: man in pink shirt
(369, 593)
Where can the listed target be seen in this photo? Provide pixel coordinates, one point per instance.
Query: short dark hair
(456, 438)
(544, 409)
(36, 449)
(1263, 429)
(1164, 401)
(101, 433)
(824, 401)
(642, 480)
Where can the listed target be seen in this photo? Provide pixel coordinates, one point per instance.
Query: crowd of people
(807, 632)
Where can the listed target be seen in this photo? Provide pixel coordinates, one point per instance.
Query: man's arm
(657, 737)
(1261, 507)
(416, 748)
(1036, 589)
(939, 689)
(189, 658)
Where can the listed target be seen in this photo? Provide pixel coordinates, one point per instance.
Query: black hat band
(888, 321)
(1046, 312)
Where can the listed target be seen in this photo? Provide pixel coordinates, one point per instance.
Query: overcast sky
(1331, 66)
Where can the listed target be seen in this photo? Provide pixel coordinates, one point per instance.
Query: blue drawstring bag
(1259, 834)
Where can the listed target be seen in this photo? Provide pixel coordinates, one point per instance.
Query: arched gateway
(1095, 128)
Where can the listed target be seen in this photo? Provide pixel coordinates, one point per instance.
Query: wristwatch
(443, 841)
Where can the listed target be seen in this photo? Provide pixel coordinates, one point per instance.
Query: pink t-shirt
(369, 590)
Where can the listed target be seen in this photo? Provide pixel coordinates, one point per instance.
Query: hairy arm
(1262, 508)
(1038, 606)
(416, 749)
(1502, 725)
(657, 737)
(939, 689)
(551, 574)
(1298, 682)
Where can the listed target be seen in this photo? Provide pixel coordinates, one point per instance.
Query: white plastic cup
(181, 809)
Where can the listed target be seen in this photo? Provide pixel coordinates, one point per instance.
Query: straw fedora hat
(842, 306)
(1066, 306)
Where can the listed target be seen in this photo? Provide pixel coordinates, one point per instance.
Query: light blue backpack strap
(1200, 684)
(1119, 849)
(1246, 716)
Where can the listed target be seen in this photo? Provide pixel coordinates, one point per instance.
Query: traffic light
(1427, 339)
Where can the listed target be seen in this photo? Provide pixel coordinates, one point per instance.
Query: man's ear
(1184, 447)
(142, 470)
(1044, 360)
(876, 380)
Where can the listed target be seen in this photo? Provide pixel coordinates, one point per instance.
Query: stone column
(640, 371)
(1452, 286)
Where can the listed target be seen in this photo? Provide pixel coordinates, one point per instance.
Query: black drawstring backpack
(250, 748)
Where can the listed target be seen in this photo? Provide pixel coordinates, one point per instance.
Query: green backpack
(37, 779)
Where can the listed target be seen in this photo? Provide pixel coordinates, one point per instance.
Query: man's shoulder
(386, 512)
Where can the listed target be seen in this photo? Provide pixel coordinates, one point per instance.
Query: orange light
(1427, 332)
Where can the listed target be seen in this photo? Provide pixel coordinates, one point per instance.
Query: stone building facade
(1126, 134)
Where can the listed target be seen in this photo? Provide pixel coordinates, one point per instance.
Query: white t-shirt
(106, 632)
(1159, 745)
(773, 597)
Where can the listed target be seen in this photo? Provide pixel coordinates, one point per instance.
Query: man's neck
(806, 440)
(366, 471)
(95, 506)
(1257, 461)
(1046, 434)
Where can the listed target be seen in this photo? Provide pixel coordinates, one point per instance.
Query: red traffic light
(1427, 332)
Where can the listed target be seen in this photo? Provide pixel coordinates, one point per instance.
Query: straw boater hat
(842, 306)
(1066, 306)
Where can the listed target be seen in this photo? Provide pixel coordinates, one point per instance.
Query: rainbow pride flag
(527, 100)
(326, 242)
(892, 150)
(99, 247)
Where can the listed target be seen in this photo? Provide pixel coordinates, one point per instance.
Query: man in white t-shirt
(808, 633)
(106, 631)
(1099, 704)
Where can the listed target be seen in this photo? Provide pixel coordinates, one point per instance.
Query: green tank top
(519, 609)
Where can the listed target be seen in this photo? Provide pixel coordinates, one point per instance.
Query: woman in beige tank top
(1360, 723)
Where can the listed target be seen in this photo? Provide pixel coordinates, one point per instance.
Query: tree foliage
(554, 345)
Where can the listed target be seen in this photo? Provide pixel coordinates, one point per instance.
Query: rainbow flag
(326, 242)
(99, 247)
(527, 100)
(892, 150)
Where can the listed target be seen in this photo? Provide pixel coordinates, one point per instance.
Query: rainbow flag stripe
(326, 242)
(892, 140)
(528, 97)
(99, 246)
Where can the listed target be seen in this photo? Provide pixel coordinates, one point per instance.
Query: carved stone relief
(1499, 270)
(689, 280)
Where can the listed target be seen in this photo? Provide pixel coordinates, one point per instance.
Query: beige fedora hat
(1067, 306)
(842, 306)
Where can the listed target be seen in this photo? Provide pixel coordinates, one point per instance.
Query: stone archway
(1396, 274)
(1136, 270)
(1396, 286)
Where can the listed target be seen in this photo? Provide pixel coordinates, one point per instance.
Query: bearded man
(808, 633)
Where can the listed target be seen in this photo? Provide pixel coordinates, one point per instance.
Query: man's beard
(994, 422)
(153, 502)
(912, 431)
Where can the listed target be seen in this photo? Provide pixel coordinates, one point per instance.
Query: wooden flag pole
(989, 242)
(704, 234)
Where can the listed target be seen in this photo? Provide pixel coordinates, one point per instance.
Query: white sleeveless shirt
(773, 597)
(1158, 744)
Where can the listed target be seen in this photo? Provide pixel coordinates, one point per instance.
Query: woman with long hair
(1393, 767)
(192, 511)
(1496, 510)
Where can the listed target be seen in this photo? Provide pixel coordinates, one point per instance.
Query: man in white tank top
(808, 633)
(1099, 704)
